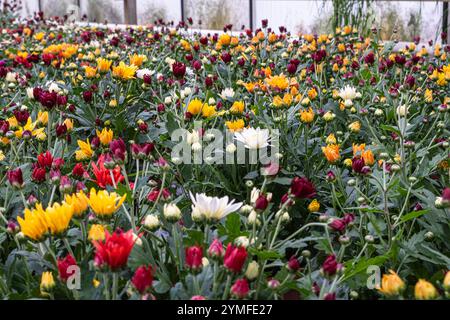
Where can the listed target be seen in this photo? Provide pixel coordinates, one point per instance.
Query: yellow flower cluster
(38, 222)
(196, 106)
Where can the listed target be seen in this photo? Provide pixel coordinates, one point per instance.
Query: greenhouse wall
(401, 20)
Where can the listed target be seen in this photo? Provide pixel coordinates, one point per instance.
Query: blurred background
(400, 20)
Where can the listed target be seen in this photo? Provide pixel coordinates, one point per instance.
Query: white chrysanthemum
(193, 137)
(11, 77)
(253, 138)
(402, 110)
(347, 94)
(227, 93)
(254, 195)
(171, 212)
(151, 221)
(143, 72)
(212, 208)
(169, 61)
(30, 93)
(53, 87)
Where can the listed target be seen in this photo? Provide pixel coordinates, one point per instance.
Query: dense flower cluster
(88, 179)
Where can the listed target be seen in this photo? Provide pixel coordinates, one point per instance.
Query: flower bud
(252, 271)
(240, 289)
(151, 222)
(306, 253)
(429, 235)
(344, 240)
(231, 148)
(171, 212)
(216, 250)
(273, 284)
(246, 209)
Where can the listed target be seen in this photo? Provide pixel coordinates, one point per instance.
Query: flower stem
(227, 287)
(68, 247)
(106, 285)
(115, 285)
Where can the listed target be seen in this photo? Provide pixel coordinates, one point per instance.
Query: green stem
(106, 286)
(68, 247)
(227, 287)
(115, 285)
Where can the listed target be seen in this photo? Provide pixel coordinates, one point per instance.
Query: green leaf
(194, 237)
(265, 254)
(362, 265)
(413, 214)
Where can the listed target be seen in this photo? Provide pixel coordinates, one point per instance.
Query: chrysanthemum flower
(78, 201)
(212, 208)
(391, 284)
(124, 72)
(105, 204)
(253, 138)
(113, 252)
(85, 151)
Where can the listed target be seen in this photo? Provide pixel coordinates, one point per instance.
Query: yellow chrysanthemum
(236, 125)
(58, 217)
(105, 136)
(103, 203)
(137, 59)
(208, 111)
(78, 201)
(307, 116)
(314, 206)
(124, 72)
(312, 93)
(85, 151)
(428, 95)
(355, 126)
(33, 224)
(331, 139)
(368, 157)
(96, 232)
(90, 72)
(195, 106)
(103, 65)
(69, 124)
(278, 82)
(42, 117)
(391, 284)
(424, 290)
(47, 283)
(224, 39)
(237, 107)
(331, 152)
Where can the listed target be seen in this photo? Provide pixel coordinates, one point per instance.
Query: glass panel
(29, 8)
(149, 11)
(110, 11)
(407, 18)
(59, 8)
(215, 14)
